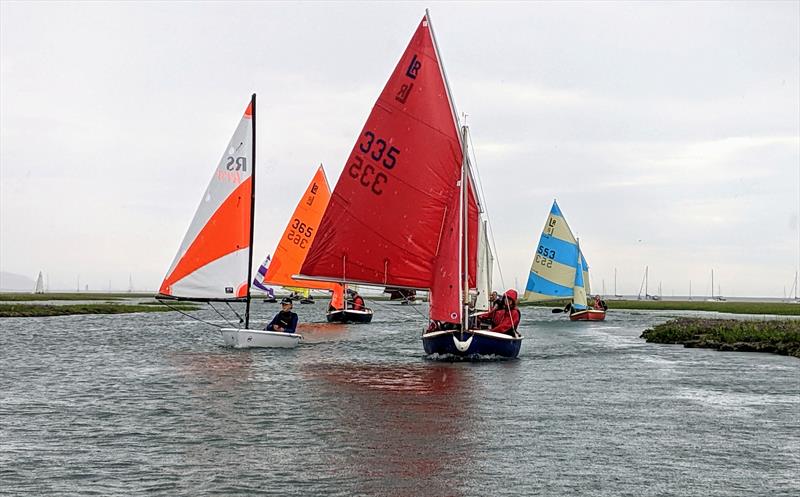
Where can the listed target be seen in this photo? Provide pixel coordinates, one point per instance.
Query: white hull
(244, 338)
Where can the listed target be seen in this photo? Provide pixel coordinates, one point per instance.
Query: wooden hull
(350, 316)
(588, 315)
(471, 344)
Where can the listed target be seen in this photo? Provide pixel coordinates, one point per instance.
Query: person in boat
(504, 316)
(354, 300)
(599, 303)
(285, 320)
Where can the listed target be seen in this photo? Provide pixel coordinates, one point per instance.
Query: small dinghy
(350, 316)
(214, 261)
(242, 338)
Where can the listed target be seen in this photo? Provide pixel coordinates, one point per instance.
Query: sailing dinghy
(411, 151)
(559, 270)
(214, 261)
(297, 239)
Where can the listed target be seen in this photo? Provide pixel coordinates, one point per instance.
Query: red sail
(393, 215)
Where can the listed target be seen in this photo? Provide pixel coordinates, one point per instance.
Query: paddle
(557, 311)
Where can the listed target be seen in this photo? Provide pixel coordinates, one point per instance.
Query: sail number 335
(369, 174)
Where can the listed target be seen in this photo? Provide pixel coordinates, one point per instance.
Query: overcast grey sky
(668, 132)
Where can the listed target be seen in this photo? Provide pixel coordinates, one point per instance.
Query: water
(152, 404)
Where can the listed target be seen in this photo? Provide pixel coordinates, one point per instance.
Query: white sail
(39, 284)
(484, 272)
(212, 261)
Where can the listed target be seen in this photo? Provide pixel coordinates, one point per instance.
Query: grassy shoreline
(774, 308)
(29, 297)
(44, 310)
(773, 336)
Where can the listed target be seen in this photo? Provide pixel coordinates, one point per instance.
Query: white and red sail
(213, 259)
(393, 218)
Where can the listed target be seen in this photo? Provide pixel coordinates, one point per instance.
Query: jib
(241, 163)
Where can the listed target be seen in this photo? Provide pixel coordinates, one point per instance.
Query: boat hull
(244, 339)
(350, 316)
(474, 343)
(588, 315)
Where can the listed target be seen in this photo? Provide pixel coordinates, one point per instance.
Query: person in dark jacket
(285, 320)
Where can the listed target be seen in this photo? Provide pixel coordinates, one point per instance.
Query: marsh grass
(42, 310)
(777, 336)
(28, 297)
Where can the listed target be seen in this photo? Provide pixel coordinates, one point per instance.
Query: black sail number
(367, 176)
(545, 256)
(377, 149)
(382, 156)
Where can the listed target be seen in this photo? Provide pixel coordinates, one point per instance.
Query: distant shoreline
(729, 307)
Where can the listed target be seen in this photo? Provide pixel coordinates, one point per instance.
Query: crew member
(285, 320)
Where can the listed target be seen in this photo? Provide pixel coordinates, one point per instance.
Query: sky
(668, 132)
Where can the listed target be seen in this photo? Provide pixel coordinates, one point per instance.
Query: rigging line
(188, 315)
(486, 208)
(234, 311)
(391, 309)
(220, 315)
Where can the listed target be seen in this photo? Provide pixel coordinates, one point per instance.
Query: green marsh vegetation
(775, 336)
(41, 310)
(28, 297)
(107, 303)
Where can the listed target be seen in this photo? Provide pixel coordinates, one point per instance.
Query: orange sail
(299, 235)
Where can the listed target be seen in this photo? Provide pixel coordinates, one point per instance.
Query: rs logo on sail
(233, 166)
(241, 163)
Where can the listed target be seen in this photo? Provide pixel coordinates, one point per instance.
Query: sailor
(285, 320)
(504, 316)
(355, 300)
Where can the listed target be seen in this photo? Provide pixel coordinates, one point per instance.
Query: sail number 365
(299, 233)
(369, 175)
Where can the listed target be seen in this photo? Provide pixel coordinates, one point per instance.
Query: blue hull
(482, 345)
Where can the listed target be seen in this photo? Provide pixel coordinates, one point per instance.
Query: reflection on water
(153, 404)
(411, 423)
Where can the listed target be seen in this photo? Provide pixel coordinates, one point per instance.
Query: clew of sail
(213, 258)
(553, 270)
(409, 153)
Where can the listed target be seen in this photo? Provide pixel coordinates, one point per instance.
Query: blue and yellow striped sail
(579, 289)
(553, 274)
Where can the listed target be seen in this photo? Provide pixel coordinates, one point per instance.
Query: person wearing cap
(285, 320)
(355, 300)
(504, 317)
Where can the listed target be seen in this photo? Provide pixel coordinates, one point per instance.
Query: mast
(463, 223)
(252, 213)
(712, 284)
(646, 270)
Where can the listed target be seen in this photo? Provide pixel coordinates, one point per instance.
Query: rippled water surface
(152, 404)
